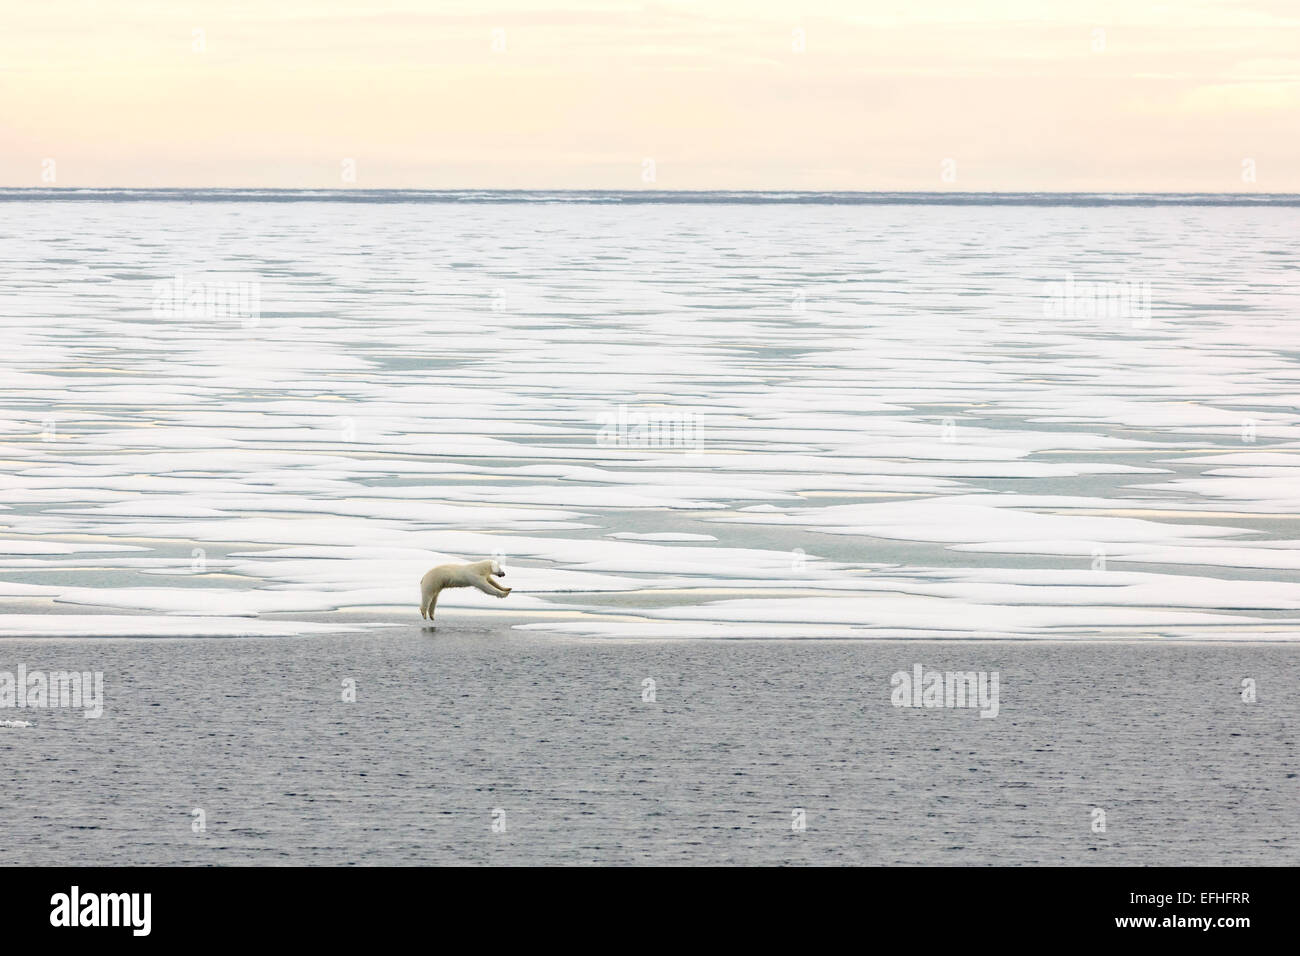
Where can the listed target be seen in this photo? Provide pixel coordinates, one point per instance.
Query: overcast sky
(745, 94)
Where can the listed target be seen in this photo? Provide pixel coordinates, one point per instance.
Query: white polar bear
(477, 575)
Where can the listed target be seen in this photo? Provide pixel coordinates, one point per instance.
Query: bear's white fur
(477, 575)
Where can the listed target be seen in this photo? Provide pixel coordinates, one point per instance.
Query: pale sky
(740, 94)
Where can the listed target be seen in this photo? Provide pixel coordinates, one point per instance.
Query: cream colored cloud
(766, 94)
(1244, 98)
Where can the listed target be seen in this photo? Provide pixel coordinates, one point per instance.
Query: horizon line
(772, 196)
(710, 189)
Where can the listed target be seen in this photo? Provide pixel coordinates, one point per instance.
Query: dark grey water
(448, 727)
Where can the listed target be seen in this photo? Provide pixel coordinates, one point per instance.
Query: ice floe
(693, 422)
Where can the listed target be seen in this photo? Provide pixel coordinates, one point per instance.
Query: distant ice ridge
(705, 197)
(890, 438)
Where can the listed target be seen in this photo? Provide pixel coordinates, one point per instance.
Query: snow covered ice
(889, 435)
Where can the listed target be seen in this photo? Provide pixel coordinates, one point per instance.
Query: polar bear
(477, 575)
